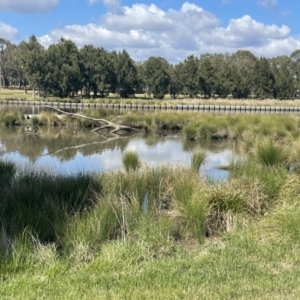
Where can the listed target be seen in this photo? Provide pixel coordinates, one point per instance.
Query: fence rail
(179, 107)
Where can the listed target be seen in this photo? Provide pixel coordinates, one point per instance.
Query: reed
(198, 156)
(49, 119)
(190, 132)
(42, 203)
(131, 161)
(189, 209)
(10, 118)
(7, 167)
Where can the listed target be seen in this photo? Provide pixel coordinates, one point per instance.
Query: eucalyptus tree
(295, 57)
(125, 72)
(4, 44)
(88, 57)
(244, 61)
(207, 76)
(16, 69)
(176, 85)
(282, 68)
(64, 69)
(264, 80)
(223, 75)
(226, 80)
(141, 85)
(156, 76)
(189, 75)
(32, 59)
(98, 71)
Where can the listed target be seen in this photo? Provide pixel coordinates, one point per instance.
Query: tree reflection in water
(40, 150)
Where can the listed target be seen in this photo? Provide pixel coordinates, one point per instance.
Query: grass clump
(234, 204)
(7, 167)
(197, 159)
(190, 132)
(7, 171)
(270, 153)
(35, 121)
(10, 118)
(272, 178)
(49, 118)
(131, 161)
(42, 203)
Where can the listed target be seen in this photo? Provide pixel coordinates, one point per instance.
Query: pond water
(61, 150)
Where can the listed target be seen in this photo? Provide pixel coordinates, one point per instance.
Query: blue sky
(169, 28)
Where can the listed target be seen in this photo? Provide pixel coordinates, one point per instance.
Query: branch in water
(114, 130)
(117, 127)
(81, 146)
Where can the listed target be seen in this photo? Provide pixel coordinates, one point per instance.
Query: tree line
(64, 70)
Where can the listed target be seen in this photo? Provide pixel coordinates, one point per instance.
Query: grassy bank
(20, 95)
(197, 125)
(151, 233)
(194, 125)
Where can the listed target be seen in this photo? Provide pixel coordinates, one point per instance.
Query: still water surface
(51, 149)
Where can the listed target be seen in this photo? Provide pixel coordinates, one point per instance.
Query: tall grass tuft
(10, 118)
(284, 222)
(190, 132)
(131, 161)
(189, 209)
(234, 203)
(197, 159)
(272, 178)
(49, 118)
(270, 153)
(7, 171)
(42, 203)
(7, 167)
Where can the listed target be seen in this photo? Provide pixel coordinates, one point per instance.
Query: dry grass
(219, 101)
(19, 94)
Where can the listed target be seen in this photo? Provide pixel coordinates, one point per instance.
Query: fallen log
(108, 124)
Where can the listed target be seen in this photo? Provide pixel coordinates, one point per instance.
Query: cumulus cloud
(28, 6)
(246, 32)
(145, 30)
(7, 31)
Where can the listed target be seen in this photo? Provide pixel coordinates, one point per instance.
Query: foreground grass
(193, 240)
(239, 267)
(160, 233)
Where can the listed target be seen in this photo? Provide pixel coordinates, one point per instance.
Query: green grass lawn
(240, 266)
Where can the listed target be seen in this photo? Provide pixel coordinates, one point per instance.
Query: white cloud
(100, 36)
(28, 6)
(246, 32)
(145, 30)
(268, 4)
(113, 6)
(7, 31)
